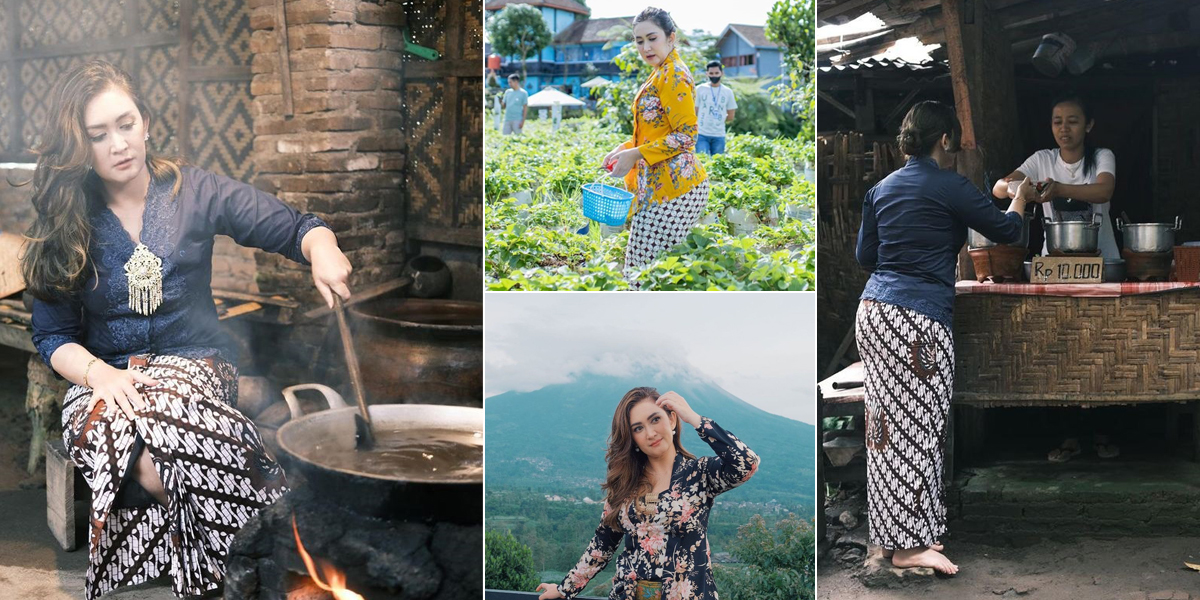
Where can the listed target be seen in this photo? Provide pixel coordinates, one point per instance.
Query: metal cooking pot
(308, 441)
(1114, 270)
(1149, 237)
(1073, 237)
(421, 351)
(976, 240)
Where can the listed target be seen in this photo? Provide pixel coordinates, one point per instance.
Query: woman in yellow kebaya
(659, 162)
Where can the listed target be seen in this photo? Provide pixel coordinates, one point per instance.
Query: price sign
(1067, 269)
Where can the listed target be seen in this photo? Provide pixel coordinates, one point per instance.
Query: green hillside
(553, 439)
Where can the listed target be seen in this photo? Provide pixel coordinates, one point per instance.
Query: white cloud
(759, 346)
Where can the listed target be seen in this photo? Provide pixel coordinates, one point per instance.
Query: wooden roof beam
(1148, 44)
(1119, 15)
(934, 37)
(856, 8)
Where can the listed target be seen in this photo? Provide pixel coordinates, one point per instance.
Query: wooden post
(60, 494)
(820, 454)
(285, 63)
(981, 73)
(864, 107)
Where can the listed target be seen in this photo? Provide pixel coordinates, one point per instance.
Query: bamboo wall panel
(1051, 351)
(444, 102)
(191, 60)
(848, 168)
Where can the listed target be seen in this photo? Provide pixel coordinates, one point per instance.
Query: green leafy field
(532, 244)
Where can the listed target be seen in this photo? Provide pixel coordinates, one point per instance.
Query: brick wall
(341, 154)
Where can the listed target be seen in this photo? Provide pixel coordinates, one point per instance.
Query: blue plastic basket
(606, 204)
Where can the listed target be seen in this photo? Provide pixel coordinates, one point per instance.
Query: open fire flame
(337, 579)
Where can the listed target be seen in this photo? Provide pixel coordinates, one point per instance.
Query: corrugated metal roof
(867, 64)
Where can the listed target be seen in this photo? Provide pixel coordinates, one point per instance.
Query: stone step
(1009, 501)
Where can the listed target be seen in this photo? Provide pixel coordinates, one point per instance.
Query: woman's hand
(1026, 192)
(330, 272)
(675, 403)
(549, 591)
(117, 388)
(1049, 191)
(611, 156)
(626, 160)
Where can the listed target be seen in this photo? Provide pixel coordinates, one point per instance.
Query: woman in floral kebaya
(659, 161)
(658, 498)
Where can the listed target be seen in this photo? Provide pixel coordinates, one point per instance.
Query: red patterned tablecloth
(1096, 290)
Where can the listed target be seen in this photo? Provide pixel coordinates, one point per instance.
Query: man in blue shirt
(516, 105)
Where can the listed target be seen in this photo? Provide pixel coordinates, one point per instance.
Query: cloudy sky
(708, 15)
(759, 346)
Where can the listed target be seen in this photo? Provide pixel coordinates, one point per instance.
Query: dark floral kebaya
(668, 541)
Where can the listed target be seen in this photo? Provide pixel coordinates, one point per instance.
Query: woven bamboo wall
(848, 169)
(1048, 351)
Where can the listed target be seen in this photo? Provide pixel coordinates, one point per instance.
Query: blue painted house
(545, 69)
(746, 52)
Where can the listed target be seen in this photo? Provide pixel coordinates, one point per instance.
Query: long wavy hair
(55, 261)
(626, 479)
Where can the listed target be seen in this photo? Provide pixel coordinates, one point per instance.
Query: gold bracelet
(87, 370)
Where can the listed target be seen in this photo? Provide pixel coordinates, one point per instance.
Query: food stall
(1093, 339)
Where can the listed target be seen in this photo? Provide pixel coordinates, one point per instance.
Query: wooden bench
(64, 485)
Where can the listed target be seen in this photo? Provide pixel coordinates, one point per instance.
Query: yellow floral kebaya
(664, 132)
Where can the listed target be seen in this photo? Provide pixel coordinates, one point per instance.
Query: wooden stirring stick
(362, 422)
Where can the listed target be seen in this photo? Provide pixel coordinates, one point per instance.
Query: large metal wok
(309, 443)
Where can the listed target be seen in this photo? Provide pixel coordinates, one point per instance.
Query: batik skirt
(210, 458)
(660, 227)
(908, 360)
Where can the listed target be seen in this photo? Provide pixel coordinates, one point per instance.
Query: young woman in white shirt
(1079, 178)
(1078, 182)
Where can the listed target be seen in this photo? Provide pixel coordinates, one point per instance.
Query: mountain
(554, 438)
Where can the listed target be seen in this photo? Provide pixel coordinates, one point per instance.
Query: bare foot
(936, 547)
(924, 557)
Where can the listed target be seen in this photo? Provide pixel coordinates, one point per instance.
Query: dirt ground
(1116, 568)
(1129, 568)
(32, 564)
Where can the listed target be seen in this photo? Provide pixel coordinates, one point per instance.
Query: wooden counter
(1023, 347)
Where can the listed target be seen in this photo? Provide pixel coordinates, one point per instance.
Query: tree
(792, 24)
(508, 563)
(777, 563)
(519, 31)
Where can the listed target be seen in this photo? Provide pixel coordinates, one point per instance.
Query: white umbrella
(595, 82)
(550, 97)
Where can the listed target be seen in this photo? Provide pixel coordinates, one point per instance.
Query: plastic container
(606, 204)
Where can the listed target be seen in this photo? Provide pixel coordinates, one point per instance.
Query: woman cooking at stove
(119, 259)
(1079, 180)
(1079, 177)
